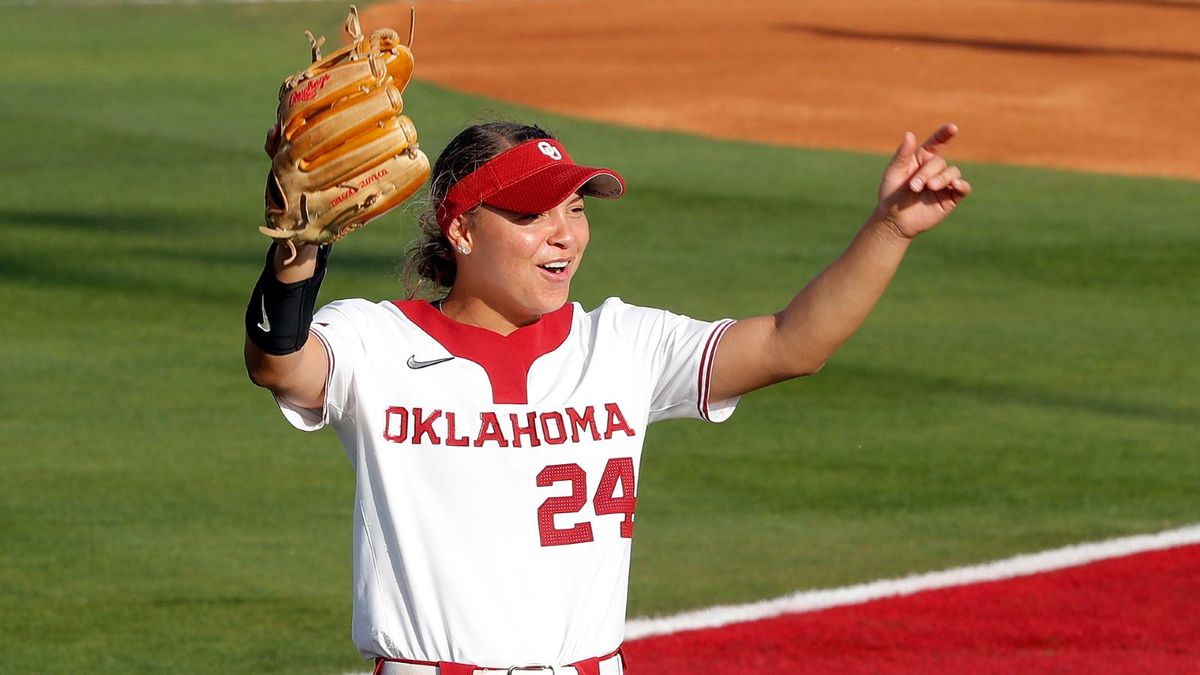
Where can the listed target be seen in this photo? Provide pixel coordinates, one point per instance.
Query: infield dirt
(1110, 86)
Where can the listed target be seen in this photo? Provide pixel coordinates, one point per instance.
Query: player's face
(522, 264)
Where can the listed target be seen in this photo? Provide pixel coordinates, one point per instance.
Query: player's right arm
(918, 190)
(300, 376)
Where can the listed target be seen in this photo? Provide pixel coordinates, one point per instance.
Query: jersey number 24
(605, 502)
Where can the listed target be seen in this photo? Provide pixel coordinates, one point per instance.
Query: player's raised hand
(919, 187)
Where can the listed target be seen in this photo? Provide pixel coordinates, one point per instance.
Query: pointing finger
(941, 137)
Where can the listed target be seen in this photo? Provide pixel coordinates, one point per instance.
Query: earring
(464, 250)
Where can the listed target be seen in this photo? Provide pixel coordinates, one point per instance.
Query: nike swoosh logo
(265, 324)
(415, 364)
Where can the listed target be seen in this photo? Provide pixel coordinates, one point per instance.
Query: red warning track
(1138, 614)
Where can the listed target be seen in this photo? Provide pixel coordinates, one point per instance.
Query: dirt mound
(1101, 85)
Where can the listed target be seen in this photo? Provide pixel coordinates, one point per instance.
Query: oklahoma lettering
(524, 429)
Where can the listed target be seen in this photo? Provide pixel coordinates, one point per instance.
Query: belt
(609, 664)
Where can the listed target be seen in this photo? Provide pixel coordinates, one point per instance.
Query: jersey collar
(505, 358)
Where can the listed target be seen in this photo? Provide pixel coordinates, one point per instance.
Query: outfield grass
(1030, 380)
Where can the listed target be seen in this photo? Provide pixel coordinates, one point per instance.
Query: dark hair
(429, 265)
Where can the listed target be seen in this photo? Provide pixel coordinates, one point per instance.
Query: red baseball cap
(532, 177)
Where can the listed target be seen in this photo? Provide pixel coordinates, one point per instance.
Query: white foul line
(807, 601)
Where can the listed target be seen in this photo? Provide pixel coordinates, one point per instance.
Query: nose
(561, 233)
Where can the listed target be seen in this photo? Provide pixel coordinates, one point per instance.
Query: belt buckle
(531, 669)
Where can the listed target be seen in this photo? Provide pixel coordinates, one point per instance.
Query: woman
(496, 432)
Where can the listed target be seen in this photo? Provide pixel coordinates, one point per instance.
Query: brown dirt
(1100, 85)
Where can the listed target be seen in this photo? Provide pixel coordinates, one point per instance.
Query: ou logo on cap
(549, 150)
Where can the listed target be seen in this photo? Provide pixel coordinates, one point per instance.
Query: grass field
(1030, 380)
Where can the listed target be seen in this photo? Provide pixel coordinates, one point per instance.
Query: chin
(550, 301)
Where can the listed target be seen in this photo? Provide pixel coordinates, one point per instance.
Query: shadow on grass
(1015, 393)
(98, 222)
(382, 261)
(185, 230)
(126, 253)
(107, 277)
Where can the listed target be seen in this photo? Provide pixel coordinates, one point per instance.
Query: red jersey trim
(505, 358)
(329, 361)
(707, 358)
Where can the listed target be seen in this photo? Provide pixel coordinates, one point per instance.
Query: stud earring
(464, 250)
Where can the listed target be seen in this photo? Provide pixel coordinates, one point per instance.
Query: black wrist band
(278, 314)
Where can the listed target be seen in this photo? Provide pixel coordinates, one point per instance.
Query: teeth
(555, 266)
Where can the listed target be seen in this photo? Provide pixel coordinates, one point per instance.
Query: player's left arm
(918, 190)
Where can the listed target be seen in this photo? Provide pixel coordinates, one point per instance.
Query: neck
(473, 311)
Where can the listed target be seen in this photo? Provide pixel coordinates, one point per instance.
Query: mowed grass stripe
(1028, 382)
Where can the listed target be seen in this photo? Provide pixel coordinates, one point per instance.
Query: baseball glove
(341, 152)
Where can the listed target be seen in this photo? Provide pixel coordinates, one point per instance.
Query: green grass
(1030, 380)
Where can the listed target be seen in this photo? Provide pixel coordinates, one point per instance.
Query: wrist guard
(278, 314)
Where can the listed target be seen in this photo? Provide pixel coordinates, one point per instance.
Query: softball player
(496, 433)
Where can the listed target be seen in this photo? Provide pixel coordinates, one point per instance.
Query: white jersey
(497, 475)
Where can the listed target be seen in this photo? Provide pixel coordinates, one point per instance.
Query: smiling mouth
(559, 267)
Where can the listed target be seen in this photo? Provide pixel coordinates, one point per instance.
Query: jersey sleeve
(678, 351)
(334, 325)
